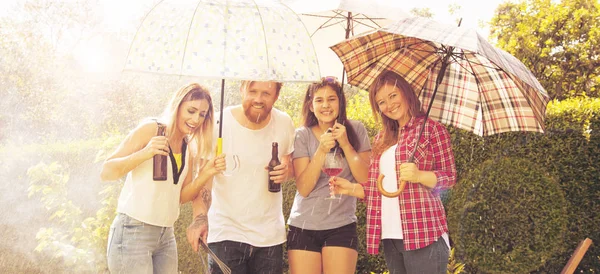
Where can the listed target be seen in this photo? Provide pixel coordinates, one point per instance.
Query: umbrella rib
(371, 20)
(265, 35)
(188, 37)
(479, 92)
(323, 16)
(366, 17)
(331, 24)
(325, 23)
(456, 60)
(495, 67)
(361, 23)
(139, 27)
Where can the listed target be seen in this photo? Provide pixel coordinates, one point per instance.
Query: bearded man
(244, 226)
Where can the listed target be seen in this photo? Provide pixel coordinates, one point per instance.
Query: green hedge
(570, 151)
(507, 216)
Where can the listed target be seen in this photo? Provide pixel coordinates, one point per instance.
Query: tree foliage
(556, 40)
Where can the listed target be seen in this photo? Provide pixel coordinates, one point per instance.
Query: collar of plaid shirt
(421, 211)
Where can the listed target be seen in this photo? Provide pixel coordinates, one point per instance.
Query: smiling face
(391, 103)
(258, 99)
(191, 115)
(325, 105)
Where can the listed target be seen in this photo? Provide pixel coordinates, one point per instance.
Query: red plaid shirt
(421, 210)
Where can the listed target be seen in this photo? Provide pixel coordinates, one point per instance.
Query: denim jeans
(245, 259)
(432, 259)
(137, 247)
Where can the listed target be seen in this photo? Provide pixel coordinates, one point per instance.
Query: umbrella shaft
(221, 110)
(438, 81)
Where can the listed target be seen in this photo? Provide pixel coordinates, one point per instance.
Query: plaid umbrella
(479, 88)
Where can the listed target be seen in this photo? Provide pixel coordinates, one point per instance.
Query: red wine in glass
(332, 171)
(333, 167)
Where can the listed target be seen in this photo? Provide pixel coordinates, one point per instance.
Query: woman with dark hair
(412, 226)
(141, 237)
(322, 233)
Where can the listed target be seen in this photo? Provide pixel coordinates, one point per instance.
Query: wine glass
(232, 161)
(333, 167)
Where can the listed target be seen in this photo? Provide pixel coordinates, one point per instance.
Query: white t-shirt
(243, 210)
(391, 225)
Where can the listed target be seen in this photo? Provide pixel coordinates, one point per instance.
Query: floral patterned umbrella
(260, 40)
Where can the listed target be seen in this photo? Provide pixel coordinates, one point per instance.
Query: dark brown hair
(311, 120)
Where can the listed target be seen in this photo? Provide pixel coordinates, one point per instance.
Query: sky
(119, 16)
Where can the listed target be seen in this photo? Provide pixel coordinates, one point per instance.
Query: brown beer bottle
(273, 187)
(159, 172)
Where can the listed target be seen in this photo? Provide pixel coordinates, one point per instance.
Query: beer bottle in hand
(273, 187)
(160, 161)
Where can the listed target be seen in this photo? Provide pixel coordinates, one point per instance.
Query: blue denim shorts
(136, 247)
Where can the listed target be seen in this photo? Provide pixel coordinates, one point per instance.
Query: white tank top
(149, 201)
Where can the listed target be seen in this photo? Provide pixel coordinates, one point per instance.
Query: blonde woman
(141, 238)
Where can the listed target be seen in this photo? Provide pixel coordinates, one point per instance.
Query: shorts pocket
(111, 233)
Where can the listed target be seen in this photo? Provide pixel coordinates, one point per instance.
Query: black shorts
(315, 240)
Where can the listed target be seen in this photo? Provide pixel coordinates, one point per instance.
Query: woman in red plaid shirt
(412, 226)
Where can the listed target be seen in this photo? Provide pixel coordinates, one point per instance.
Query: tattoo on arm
(206, 197)
(199, 221)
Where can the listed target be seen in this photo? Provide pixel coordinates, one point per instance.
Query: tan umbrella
(465, 81)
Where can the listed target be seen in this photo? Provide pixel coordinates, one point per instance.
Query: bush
(507, 216)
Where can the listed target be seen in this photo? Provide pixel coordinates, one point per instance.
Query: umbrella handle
(219, 146)
(401, 185)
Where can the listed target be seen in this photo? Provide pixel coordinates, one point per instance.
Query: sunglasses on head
(330, 79)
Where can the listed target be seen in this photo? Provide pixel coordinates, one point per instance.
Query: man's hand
(197, 231)
(280, 173)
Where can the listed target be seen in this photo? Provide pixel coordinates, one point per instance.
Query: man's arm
(198, 229)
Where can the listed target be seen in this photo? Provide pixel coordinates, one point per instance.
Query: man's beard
(257, 115)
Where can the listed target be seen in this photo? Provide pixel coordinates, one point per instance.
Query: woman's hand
(342, 186)
(326, 142)
(158, 145)
(215, 165)
(409, 172)
(338, 131)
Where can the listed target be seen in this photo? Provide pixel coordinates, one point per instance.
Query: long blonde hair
(202, 138)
